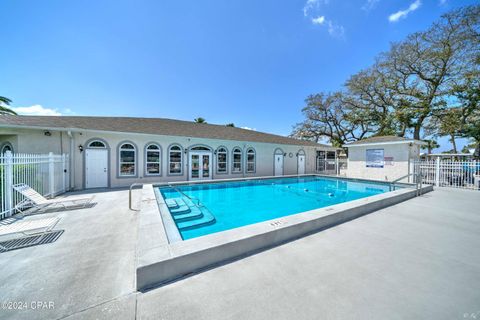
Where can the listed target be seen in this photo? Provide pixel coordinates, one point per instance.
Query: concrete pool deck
(416, 259)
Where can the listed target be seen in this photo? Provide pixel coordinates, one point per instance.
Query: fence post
(9, 183)
(437, 172)
(51, 174)
(337, 168)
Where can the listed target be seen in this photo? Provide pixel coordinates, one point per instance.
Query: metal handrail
(418, 182)
(198, 204)
(130, 195)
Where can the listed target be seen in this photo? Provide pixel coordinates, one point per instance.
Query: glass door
(195, 166)
(200, 166)
(206, 166)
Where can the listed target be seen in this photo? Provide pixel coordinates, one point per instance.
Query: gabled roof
(383, 140)
(155, 126)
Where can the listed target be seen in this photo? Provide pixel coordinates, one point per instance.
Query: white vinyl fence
(46, 173)
(450, 173)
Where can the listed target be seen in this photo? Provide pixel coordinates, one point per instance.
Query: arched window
(237, 160)
(222, 160)
(97, 144)
(127, 160)
(175, 160)
(7, 146)
(251, 160)
(200, 148)
(153, 155)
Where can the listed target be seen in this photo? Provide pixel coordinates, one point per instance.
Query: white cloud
(318, 20)
(401, 14)
(313, 4)
(310, 4)
(36, 110)
(334, 29)
(248, 128)
(369, 5)
(68, 112)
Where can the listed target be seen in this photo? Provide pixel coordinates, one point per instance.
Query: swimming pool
(203, 209)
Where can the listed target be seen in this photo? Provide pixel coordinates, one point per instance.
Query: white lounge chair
(18, 229)
(38, 201)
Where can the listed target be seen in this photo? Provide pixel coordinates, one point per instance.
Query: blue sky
(243, 61)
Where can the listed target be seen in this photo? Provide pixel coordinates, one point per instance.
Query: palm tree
(200, 120)
(431, 144)
(3, 103)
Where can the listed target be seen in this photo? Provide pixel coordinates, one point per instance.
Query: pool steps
(187, 215)
(171, 203)
(182, 209)
(194, 213)
(206, 219)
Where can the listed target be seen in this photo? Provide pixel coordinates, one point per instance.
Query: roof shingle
(156, 126)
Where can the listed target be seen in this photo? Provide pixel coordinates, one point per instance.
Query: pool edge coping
(161, 261)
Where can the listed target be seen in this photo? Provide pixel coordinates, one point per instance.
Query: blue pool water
(207, 208)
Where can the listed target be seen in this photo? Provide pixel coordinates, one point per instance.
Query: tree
(331, 116)
(431, 144)
(200, 120)
(4, 103)
(472, 130)
(428, 82)
(230, 125)
(423, 67)
(449, 124)
(374, 96)
(468, 147)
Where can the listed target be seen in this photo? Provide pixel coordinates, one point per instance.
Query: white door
(278, 165)
(96, 168)
(301, 164)
(200, 166)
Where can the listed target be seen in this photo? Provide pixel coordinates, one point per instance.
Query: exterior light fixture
(47, 133)
(80, 147)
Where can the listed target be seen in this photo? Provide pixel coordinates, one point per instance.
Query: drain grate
(29, 241)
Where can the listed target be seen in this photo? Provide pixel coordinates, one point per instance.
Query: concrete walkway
(89, 270)
(418, 259)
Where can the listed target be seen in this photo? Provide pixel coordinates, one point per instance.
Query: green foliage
(427, 83)
(4, 103)
(431, 144)
(200, 120)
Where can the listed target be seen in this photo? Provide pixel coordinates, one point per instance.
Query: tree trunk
(454, 143)
(416, 132)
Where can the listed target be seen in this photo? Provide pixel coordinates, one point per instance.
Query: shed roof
(383, 140)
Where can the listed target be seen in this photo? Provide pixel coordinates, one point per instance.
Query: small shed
(382, 158)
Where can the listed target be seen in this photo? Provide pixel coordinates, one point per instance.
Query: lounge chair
(38, 201)
(18, 230)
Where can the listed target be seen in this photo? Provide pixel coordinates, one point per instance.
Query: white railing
(450, 173)
(46, 173)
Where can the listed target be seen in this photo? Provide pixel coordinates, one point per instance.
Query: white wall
(35, 141)
(403, 155)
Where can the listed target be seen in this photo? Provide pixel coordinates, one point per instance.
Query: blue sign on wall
(375, 158)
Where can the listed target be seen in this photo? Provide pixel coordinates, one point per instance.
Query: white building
(382, 158)
(118, 151)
